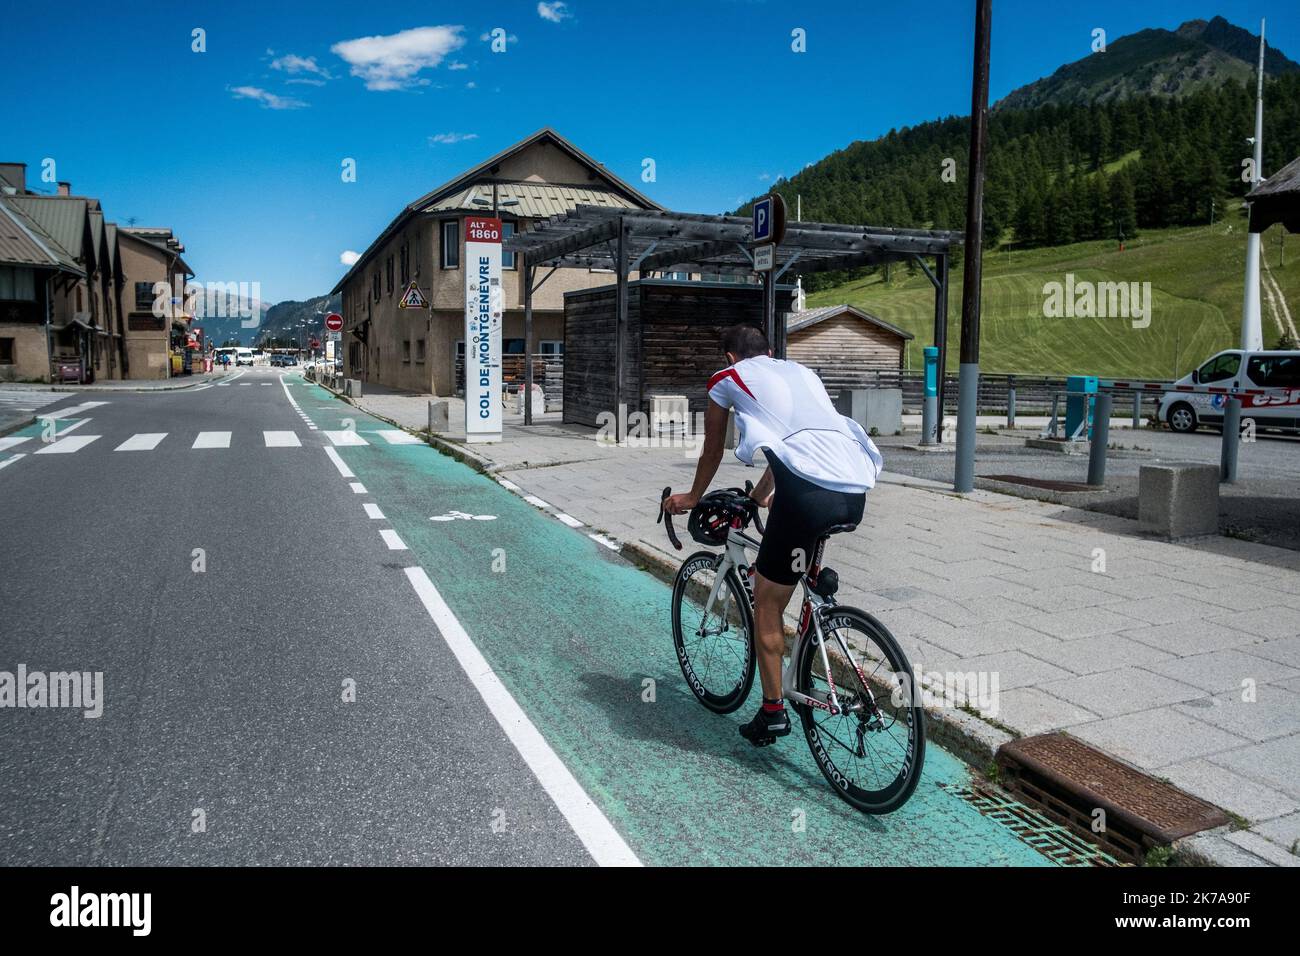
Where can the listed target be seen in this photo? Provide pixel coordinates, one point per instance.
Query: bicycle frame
(813, 608)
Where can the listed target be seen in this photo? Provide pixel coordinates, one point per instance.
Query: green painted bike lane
(574, 631)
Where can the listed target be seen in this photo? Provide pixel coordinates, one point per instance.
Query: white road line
(72, 411)
(9, 461)
(535, 501)
(10, 440)
(395, 436)
(570, 520)
(212, 440)
(373, 511)
(72, 427)
(508, 485)
(605, 540)
(281, 439)
(345, 439)
(344, 470)
(392, 540)
(66, 446)
(357, 487)
(144, 441)
(589, 823)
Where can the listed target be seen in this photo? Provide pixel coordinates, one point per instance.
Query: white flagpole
(1252, 331)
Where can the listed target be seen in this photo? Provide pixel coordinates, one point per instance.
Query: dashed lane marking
(281, 439)
(373, 512)
(212, 440)
(65, 446)
(391, 539)
(144, 441)
(339, 463)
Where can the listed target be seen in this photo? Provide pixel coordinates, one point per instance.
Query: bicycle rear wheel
(872, 751)
(715, 650)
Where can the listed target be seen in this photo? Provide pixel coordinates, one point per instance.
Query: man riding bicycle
(819, 467)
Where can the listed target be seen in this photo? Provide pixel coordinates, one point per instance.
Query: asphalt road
(501, 661)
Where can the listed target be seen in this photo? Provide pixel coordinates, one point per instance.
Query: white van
(244, 357)
(1185, 411)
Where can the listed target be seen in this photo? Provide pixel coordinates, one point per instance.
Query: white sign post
(483, 306)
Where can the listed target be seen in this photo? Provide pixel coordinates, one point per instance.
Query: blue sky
(239, 148)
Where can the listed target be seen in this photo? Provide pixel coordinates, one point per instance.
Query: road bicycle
(846, 675)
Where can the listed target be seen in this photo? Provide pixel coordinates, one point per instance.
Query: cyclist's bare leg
(770, 600)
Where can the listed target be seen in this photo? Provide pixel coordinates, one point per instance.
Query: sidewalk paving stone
(1227, 788)
(1274, 713)
(1124, 690)
(1221, 671)
(1031, 710)
(1102, 652)
(1153, 739)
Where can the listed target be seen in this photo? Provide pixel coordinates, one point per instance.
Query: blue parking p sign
(763, 219)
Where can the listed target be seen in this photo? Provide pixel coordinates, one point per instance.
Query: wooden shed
(840, 335)
(671, 345)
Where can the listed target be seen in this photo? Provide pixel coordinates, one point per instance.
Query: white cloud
(293, 64)
(471, 85)
(447, 139)
(393, 62)
(555, 12)
(458, 66)
(269, 100)
(348, 257)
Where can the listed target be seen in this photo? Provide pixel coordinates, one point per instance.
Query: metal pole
(528, 343)
(968, 385)
(1137, 409)
(1011, 401)
(1231, 440)
(941, 334)
(1100, 439)
(769, 313)
(620, 323)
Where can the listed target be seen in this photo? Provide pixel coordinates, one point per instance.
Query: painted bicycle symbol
(462, 516)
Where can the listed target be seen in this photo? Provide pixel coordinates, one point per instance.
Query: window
(507, 258)
(374, 285)
(388, 269)
(17, 285)
(406, 264)
(512, 346)
(1220, 368)
(417, 252)
(419, 351)
(406, 351)
(6, 351)
(550, 347)
(451, 244)
(1274, 371)
(144, 297)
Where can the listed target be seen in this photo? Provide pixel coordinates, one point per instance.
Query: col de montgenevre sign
(483, 307)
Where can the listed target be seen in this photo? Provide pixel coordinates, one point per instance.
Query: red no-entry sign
(334, 322)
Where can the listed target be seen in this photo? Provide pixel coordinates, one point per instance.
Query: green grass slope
(1196, 276)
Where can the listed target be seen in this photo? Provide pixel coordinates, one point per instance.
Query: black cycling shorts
(801, 513)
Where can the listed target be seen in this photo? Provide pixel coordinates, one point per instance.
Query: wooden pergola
(648, 241)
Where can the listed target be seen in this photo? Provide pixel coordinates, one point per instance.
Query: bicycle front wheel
(873, 749)
(713, 632)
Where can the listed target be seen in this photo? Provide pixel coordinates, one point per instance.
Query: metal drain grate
(1055, 842)
(1072, 783)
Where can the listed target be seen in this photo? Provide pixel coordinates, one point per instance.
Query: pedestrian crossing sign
(413, 298)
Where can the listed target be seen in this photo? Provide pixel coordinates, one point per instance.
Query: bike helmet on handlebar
(716, 513)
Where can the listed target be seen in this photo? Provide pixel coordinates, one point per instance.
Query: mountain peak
(1158, 62)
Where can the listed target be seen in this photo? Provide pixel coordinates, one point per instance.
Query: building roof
(62, 217)
(531, 200)
(24, 242)
(1277, 199)
(802, 320)
(614, 192)
(148, 238)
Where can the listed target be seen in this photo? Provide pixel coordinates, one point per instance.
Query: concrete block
(878, 408)
(439, 416)
(353, 387)
(1178, 500)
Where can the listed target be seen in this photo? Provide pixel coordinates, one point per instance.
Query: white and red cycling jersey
(782, 408)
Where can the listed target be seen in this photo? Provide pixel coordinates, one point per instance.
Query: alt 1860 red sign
(334, 322)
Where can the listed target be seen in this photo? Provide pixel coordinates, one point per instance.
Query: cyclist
(819, 467)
